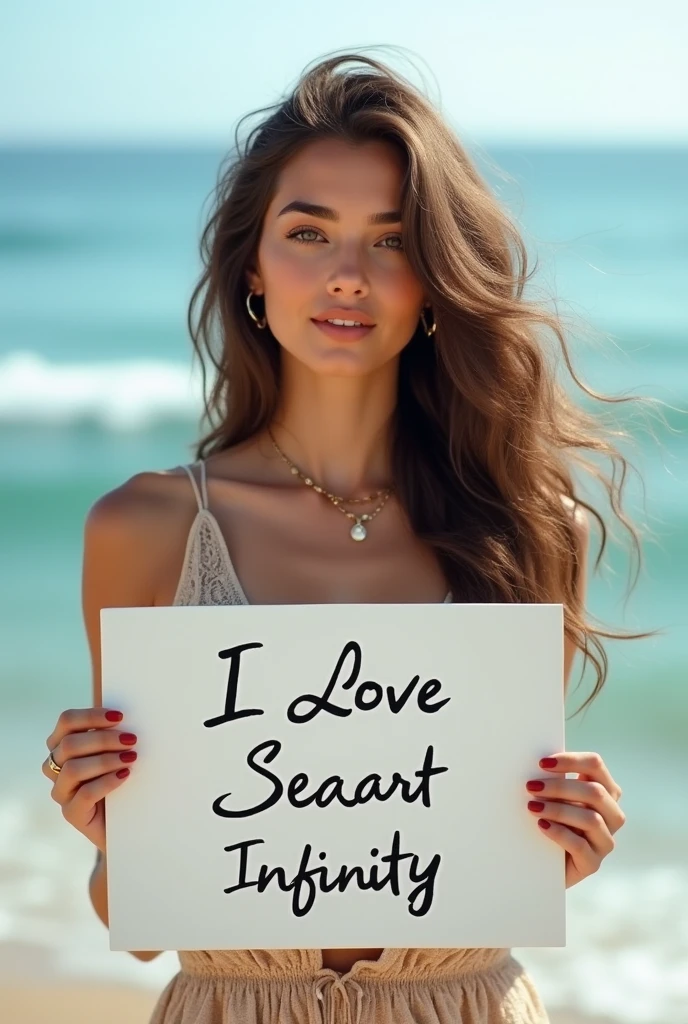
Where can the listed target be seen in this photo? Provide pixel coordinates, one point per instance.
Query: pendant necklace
(358, 531)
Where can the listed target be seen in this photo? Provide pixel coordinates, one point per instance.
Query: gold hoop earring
(427, 330)
(258, 322)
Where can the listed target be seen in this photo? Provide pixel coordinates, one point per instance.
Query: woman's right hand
(94, 755)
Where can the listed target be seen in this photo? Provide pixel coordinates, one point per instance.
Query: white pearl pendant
(359, 532)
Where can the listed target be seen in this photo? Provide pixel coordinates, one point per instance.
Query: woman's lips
(343, 333)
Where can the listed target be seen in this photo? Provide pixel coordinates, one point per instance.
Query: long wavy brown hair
(485, 438)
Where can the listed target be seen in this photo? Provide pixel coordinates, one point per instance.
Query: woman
(384, 427)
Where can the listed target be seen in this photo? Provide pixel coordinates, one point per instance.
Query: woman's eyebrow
(327, 213)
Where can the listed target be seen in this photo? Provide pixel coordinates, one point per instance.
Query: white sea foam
(625, 958)
(118, 395)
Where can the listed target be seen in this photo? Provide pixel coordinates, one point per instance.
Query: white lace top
(207, 576)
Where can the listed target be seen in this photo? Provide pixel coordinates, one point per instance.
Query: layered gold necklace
(358, 531)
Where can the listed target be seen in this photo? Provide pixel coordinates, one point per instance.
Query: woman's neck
(337, 429)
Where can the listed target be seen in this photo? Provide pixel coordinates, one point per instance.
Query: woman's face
(312, 262)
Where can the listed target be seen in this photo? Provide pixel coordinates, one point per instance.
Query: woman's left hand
(582, 813)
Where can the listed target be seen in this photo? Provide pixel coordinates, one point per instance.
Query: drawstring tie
(339, 990)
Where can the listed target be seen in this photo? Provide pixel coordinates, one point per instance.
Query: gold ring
(52, 766)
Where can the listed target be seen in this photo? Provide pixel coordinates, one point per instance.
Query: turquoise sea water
(98, 256)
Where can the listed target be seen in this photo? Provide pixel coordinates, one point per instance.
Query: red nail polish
(128, 738)
(131, 755)
(535, 786)
(543, 824)
(122, 773)
(533, 805)
(548, 762)
(114, 716)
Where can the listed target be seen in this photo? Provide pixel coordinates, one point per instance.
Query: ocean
(98, 257)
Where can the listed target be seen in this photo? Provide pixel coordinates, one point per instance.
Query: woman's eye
(303, 231)
(297, 235)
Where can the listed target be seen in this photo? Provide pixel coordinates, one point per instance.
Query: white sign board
(318, 776)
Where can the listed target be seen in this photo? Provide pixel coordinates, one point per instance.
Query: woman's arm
(129, 538)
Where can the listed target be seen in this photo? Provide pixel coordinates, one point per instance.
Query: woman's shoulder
(145, 516)
(143, 496)
(580, 518)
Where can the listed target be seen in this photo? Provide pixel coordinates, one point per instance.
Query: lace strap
(202, 495)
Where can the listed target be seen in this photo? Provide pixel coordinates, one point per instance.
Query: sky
(183, 71)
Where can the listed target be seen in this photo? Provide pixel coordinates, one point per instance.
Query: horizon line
(468, 140)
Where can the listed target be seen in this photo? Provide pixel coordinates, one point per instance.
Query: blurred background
(115, 121)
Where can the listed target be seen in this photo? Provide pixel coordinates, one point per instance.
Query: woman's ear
(253, 279)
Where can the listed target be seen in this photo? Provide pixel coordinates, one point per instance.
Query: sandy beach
(96, 1004)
